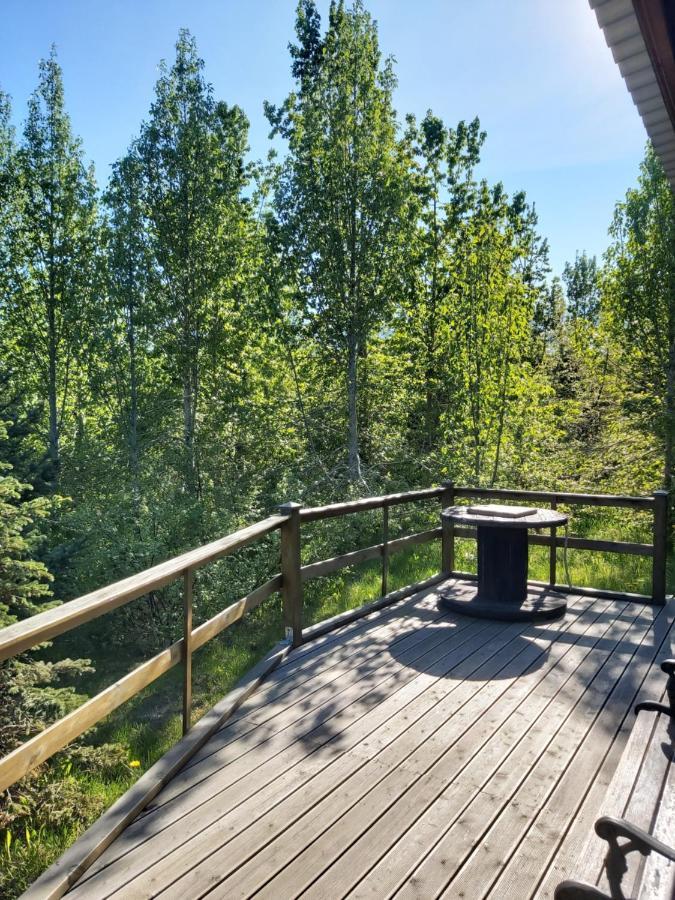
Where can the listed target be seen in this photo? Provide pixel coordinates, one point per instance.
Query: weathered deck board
(282, 766)
(438, 763)
(412, 764)
(601, 702)
(575, 818)
(414, 844)
(416, 753)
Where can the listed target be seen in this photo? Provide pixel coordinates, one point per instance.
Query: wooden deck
(414, 753)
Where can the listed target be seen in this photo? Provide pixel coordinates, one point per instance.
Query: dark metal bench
(631, 854)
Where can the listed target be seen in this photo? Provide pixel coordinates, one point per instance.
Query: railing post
(660, 547)
(385, 549)
(291, 589)
(553, 555)
(188, 579)
(448, 530)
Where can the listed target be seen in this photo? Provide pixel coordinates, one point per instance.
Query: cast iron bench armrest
(640, 769)
(578, 890)
(667, 666)
(610, 829)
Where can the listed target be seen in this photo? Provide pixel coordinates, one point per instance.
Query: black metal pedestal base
(538, 606)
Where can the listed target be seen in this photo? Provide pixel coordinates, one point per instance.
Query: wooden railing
(657, 549)
(44, 626)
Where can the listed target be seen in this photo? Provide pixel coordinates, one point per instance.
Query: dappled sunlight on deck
(416, 752)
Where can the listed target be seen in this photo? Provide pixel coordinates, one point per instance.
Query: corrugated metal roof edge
(620, 26)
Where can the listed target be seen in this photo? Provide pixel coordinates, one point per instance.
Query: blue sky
(560, 122)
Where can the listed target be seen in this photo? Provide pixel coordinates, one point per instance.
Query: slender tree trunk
(354, 460)
(352, 396)
(54, 450)
(506, 369)
(187, 363)
(475, 396)
(190, 319)
(134, 455)
(500, 427)
(52, 351)
(670, 418)
(431, 407)
(188, 431)
(431, 411)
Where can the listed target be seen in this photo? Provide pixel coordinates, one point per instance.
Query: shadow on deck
(415, 753)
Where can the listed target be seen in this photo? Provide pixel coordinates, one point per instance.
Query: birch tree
(341, 200)
(191, 151)
(639, 301)
(55, 244)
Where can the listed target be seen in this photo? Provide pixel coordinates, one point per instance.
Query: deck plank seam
(495, 768)
(620, 734)
(484, 626)
(490, 736)
(293, 682)
(580, 823)
(478, 689)
(598, 714)
(434, 640)
(520, 627)
(367, 629)
(399, 634)
(496, 764)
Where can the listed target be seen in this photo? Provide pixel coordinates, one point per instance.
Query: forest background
(207, 337)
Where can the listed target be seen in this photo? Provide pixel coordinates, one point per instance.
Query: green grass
(150, 723)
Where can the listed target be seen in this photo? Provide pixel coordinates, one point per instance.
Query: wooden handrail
(46, 625)
(354, 557)
(54, 738)
(43, 626)
(574, 543)
(234, 612)
(617, 500)
(314, 513)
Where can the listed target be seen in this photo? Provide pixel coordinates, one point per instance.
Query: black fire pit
(503, 593)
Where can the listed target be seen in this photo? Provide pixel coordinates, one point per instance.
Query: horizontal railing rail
(617, 500)
(22, 635)
(314, 513)
(289, 581)
(354, 557)
(574, 543)
(46, 625)
(657, 550)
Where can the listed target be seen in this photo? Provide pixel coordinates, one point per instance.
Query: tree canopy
(205, 336)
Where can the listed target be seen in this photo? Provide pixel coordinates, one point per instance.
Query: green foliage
(209, 337)
(444, 192)
(53, 244)
(24, 581)
(639, 296)
(31, 690)
(191, 165)
(581, 280)
(340, 206)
